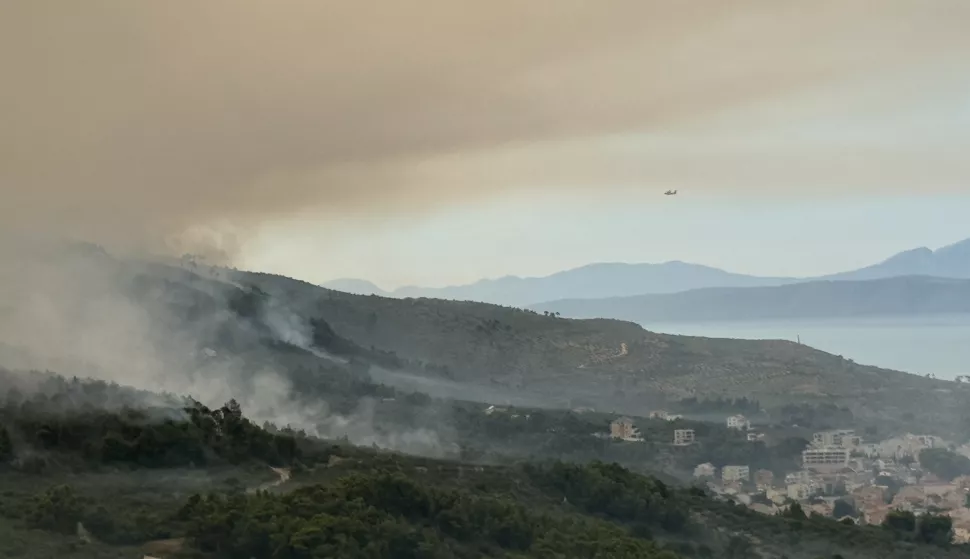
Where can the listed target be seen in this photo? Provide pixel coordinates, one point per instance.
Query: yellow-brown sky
(131, 121)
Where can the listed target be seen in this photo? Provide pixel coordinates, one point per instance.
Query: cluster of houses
(624, 429)
(838, 465)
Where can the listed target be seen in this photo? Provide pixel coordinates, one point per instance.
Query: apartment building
(844, 438)
(829, 458)
(683, 437)
(735, 474)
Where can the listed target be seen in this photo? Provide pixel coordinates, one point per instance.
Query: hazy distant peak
(596, 280)
(960, 248)
(920, 254)
(354, 286)
(951, 261)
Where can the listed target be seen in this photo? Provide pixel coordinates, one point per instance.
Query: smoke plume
(183, 126)
(77, 311)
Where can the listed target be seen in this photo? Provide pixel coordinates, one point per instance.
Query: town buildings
(837, 466)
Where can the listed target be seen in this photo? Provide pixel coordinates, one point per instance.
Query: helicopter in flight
(670, 193)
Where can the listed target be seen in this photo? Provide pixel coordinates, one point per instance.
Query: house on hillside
(799, 491)
(666, 416)
(735, 474)
(868, 497)
(705, 470)
(738, 422)
(623, 429)
(683, 437)
(764, 479)
(835, 438)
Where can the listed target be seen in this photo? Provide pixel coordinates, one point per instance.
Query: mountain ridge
(601, 280)
(665, 277)
(263, 322)
(894, 296)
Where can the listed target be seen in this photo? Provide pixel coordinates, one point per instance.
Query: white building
(661, 414)
(732, 474)
(705, 470)
(845, 438)
(683, 437)
(738, 422)
(754, 437)
(829, 458)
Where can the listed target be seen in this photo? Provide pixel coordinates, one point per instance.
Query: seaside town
(842, 476)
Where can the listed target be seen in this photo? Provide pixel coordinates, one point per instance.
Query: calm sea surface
(939, 345)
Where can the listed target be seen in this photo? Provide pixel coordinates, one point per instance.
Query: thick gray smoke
(185, 126)
(80, 312)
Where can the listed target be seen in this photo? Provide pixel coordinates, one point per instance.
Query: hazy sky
(438, 141)
(539, 235)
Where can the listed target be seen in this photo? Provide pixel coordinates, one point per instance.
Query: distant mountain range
(592, 281)
(618, 280)
(900, 296)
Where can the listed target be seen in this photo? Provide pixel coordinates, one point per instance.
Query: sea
(937, 345)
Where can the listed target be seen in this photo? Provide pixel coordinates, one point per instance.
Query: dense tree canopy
(944, 463)
(387, 515)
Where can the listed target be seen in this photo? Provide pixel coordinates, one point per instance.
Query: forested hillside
(78, 480)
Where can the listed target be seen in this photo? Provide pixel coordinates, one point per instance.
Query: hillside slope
(903, 296)
(155, 325)
(80, 480)
(611, 362)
